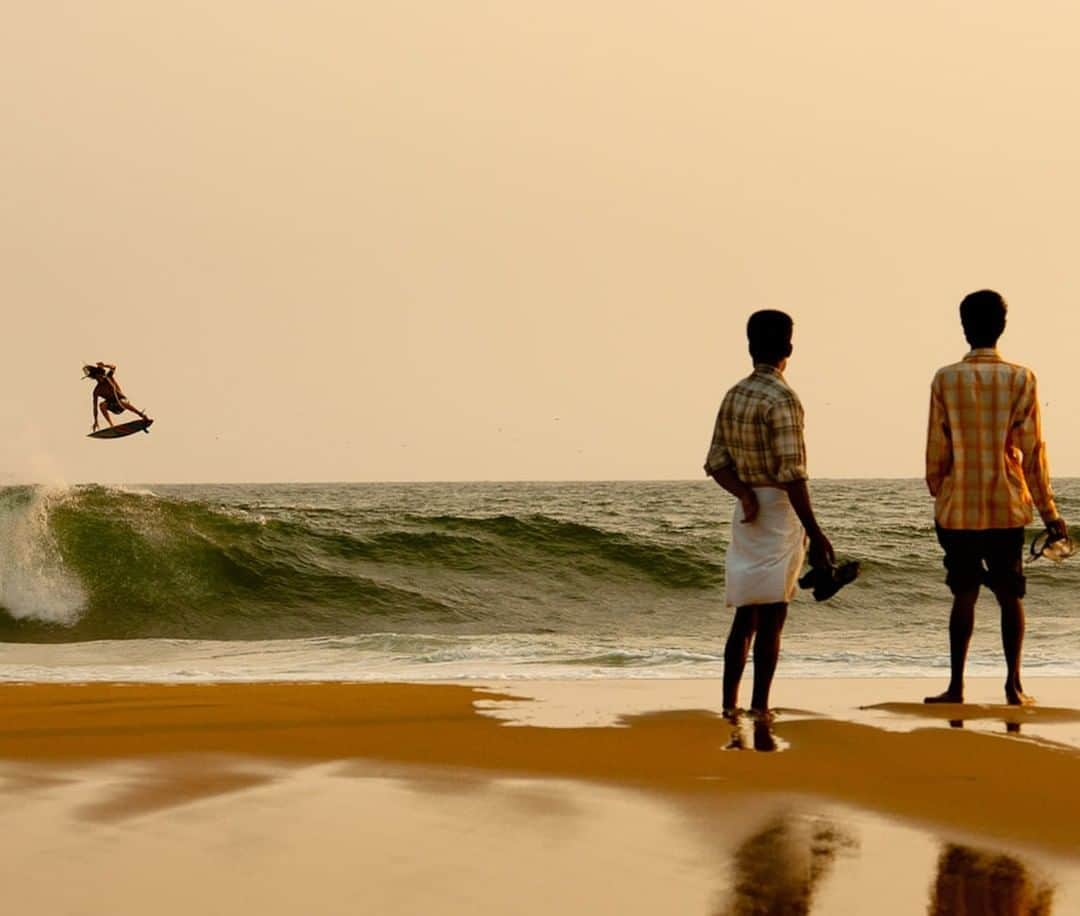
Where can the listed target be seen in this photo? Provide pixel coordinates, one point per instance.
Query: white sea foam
(33, 581)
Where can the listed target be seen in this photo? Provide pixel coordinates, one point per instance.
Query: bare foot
(731, 713)
(1018, 698)
(763, 736)
(736, 742)
(949, 696)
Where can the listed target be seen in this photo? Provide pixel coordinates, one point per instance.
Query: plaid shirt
(759, 431)
(985, 457)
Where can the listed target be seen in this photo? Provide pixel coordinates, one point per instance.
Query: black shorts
(114, 407)
(993, 558)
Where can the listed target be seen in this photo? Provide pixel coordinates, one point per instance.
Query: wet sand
(630, 796)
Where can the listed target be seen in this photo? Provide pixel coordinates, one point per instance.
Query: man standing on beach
(985, 466)
(758, 455)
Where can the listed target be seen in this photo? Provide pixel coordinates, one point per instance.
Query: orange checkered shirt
(985, 457)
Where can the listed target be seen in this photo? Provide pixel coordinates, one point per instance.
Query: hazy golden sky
(348, 240)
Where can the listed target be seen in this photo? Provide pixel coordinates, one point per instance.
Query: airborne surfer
(108, 389)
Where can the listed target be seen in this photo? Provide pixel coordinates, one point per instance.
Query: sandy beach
(608, 796)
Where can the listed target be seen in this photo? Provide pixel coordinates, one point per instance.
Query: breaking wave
(101, 563)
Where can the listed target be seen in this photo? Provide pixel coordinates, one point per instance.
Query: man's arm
(94, 398)
(821, 550)
(789, 446)
(1029, 438)
(720, 466)
(729, 480)
(938, 441)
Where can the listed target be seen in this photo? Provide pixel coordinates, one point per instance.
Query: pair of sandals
(1053, 547)
(826, 581)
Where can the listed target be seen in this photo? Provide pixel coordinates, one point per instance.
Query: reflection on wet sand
(778, 868)
(1043, 722)
(1054, 726)
(762, 737)
(1011, 728)
(972, 882)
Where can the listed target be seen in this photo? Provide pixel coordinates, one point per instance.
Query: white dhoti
(765, 556)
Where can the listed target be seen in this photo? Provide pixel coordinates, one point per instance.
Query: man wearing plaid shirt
(986, 466)
(758, 455)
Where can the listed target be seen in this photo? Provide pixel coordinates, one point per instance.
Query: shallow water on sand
(343, 838)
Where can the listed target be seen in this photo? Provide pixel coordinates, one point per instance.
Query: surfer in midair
(108, 389)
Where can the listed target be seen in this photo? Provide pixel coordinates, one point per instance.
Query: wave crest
(102, 563)
(34, 584)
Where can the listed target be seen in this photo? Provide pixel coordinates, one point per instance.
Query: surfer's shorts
(114, 407)
(993, 558)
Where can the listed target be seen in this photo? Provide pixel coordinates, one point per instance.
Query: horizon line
(14, 481)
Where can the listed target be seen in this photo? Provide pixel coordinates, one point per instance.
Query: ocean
(490, 581)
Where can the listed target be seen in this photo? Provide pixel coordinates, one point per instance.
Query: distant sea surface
(479, 580)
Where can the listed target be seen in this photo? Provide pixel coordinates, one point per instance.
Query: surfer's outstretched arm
(94, 398)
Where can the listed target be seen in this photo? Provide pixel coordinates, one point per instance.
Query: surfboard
(122, 429)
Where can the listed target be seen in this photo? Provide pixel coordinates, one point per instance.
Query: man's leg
(127, 405)
(961, 623)
(1012, 641)
(736, 651)
(964, 563)
(770, 624)
(1005, 564)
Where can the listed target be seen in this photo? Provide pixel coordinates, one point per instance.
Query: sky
(355, 241)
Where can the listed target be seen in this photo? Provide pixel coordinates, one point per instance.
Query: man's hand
(749, 503)
(1057, 529)
(94, 430)
(821, 551)
(729, 480)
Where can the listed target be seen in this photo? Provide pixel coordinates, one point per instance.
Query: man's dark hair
(769, 333)
(983, 316)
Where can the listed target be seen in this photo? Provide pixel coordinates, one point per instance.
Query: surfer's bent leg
(127, 405)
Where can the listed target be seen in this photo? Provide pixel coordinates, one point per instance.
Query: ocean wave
(34, 583)
(105, 563)
(631, 575)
